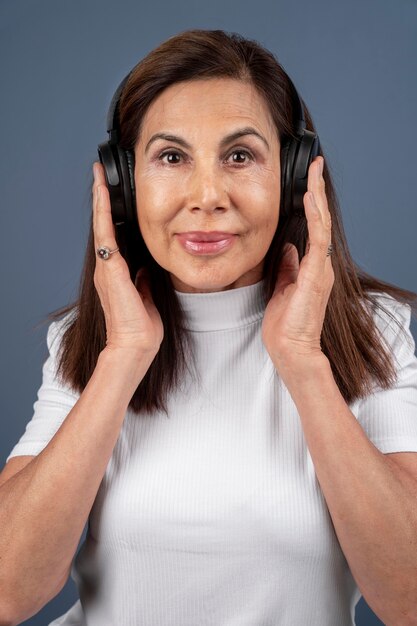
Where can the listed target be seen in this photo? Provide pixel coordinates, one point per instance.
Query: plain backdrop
(354, 63)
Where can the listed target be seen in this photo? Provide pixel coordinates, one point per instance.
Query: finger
(98, 173)
(315, 180)
(316, 184)
(328, 256)
(104, 231)
(319, 233)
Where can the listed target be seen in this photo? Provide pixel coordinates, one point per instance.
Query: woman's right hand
(133, 322)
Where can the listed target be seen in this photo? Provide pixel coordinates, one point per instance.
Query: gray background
(354, 63)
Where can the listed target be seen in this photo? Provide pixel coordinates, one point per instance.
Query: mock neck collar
(222, 310)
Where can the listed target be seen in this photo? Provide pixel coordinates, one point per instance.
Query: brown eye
(169, 153)
(242, 152)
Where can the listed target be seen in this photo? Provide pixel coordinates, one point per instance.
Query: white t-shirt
(215, 516)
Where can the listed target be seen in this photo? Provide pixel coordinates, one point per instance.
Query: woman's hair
(350, 338)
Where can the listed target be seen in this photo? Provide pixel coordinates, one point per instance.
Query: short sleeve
(53, 404)
(389, 416)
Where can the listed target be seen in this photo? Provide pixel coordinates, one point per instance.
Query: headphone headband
(298, 117)
(113, 113)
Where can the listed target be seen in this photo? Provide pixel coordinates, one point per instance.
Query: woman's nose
(206, 188)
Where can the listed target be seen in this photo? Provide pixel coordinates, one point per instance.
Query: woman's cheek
(155, 197)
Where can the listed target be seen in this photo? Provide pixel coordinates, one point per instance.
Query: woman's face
(199, 182)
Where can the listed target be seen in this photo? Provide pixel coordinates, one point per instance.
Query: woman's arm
(44, 507)
(371, 500)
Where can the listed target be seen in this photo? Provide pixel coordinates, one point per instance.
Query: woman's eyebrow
(240, 132)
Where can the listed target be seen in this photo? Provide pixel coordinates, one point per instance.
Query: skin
(207, 187)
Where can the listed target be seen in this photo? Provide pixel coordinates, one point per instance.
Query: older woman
(283, 484)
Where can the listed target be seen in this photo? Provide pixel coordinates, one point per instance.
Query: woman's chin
(198, 284)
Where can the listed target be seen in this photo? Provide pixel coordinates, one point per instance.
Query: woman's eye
(166, 153)
(245, 152)
(174, 153)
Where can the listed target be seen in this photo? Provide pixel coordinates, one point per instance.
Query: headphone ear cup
(127, 183)
(135, 250)
(298, 156)
(308, 149)
(288, 150)
(130, 163)
(109, 157)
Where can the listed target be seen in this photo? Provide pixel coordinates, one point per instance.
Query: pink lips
(198, 242)
(200, 235)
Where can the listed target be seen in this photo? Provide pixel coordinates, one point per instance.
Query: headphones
(119, 165)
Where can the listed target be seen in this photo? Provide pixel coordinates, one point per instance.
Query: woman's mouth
(206, 247)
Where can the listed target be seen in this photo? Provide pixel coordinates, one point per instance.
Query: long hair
(350, 339)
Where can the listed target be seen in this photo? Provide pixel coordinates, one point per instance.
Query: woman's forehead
(208, 101)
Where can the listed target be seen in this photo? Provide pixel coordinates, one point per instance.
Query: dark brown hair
(350, 339)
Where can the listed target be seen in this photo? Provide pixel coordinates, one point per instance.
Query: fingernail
(321, 165)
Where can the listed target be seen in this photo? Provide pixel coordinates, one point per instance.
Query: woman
(283, 484)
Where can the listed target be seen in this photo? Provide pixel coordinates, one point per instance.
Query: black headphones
(119, 165)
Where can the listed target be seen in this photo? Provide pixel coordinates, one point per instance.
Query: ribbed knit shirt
(215, 516)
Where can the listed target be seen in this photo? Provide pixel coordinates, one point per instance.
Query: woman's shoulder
(392, 317)
(385, 306)
(57, 328)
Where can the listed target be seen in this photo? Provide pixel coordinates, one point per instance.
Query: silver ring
(329, 250)
(103, 252)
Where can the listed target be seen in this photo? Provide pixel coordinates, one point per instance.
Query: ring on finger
(103, 252)
(329, 248)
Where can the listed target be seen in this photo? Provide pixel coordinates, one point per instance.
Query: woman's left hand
(294, 315)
